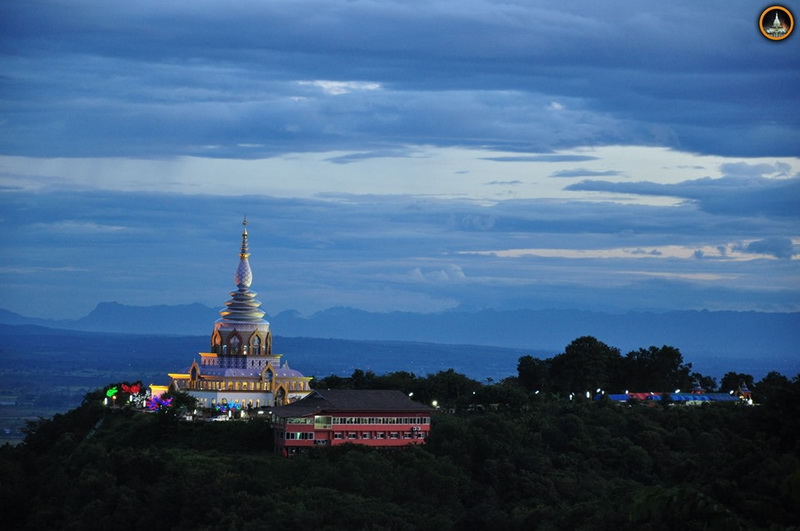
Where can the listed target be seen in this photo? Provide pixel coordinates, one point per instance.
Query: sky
(398, 155)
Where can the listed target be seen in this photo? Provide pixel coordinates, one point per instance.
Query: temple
(241, 372)
(777, 29)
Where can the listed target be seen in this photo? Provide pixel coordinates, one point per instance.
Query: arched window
(234, 343)
(256, 345)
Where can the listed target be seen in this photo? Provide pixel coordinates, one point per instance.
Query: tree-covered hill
(505, 458)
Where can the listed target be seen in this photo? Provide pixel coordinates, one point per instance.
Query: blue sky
(416, 156)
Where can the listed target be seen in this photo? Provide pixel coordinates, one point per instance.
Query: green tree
(333, 382)
(501, 396)
(656, 369)
(731, 381)
(585, 365)
(181, 402)
(400, 380)
(363, 380)
(448, 388)
(680, 507)
(773, 386)
(708, 383)
(534, 373)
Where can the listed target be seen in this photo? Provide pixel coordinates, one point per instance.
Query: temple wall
(206, 398)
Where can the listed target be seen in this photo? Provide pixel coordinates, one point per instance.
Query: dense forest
(515, 454)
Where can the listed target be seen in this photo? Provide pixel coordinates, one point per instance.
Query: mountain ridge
(707, 333)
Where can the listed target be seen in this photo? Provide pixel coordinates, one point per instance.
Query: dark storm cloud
(223, 79)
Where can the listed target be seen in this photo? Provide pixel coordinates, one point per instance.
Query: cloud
(377, 154)
(541, 158)
(744, 169)
(504, 183)
(584, 173)
(40, 270)
(153, 81)
(385, 253)
(71, 226)
(452, 273)
(476, 222)
(337, 88)
(366, 142)
(781, 248)
(754, 196)
(778, 247)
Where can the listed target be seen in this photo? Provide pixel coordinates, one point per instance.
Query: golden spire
(244, 254)
(243, 306)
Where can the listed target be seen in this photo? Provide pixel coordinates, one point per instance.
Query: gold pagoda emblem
(776, 23)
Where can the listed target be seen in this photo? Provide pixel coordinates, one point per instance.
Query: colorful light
(157, 402)
(224, 408)
(132, 389)
(111, 392)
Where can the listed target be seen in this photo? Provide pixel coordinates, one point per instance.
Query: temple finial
(244, 276)
(244, 254)
(243, 306)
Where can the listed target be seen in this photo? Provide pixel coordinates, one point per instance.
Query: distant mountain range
(182, 319)
(765, 340)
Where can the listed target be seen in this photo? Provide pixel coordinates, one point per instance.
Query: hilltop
(539, 463)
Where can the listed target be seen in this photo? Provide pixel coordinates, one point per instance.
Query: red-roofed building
(382, 418)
